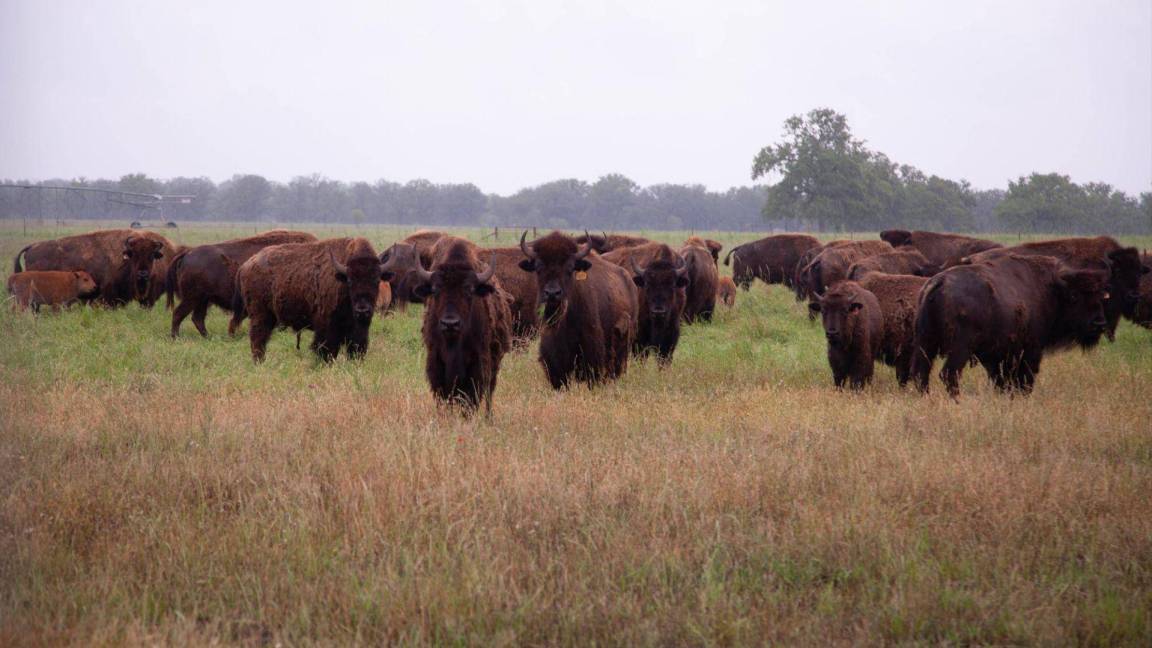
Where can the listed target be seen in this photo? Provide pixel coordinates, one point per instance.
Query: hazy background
(513, 94)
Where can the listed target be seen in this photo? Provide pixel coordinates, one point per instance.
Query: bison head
(557, 261)
(896, 237)
(1082, 297)
(1126, 272)
(140, 254)
(839, 309)
(361, 276)
(663, 282)
(401, 267)
(450, 290)
(85, 284)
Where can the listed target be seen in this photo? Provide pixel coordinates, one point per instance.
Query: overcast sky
(512, 94)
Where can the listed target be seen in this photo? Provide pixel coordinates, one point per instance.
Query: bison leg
(1024, 376)
(178, 314)
(358, 342)
(259, 333)
(958, 358)
(198, 315)
(234, 323)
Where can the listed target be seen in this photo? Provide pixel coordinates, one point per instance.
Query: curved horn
(487, 274)
(586, 248)
(528, 252)
(425, 275)
(636, 270)
(681, 267)
(340, 267)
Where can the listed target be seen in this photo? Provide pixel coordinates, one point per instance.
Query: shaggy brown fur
(126, 264)
(590, 311)
(302, 286)
(662, 276)
(206, 275)
(904, 262)
(854, 327)
(942, 250)
(55, 288)
(703, 278)
(771, 259)
(726, 291)
(404, 260)
(1144, 302)
(467, 325)
(603, 243)
(897, 295)
(384, 298)
(831, 265)
(521, 288)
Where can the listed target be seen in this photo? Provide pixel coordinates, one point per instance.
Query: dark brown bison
(771, 259)
(328, 286)
(714, 247)
(854, 328)
(603, 243)
(897, 295)
(127, 265)
(55, 288)
(1144, 302)
(703, 278)
(902, 262)
(206, 275)
(590, 310)
(467, 325)
(832, 263)
(662, 276)
(1005, 313)
(942, 250)
(405, 260)
(726, 291)
(1098, 253)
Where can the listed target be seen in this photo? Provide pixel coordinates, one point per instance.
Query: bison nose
(1099, 323)
(450, 322)
(143, 274)
(552, 292)
(832, 334)
(659, 310)
(360, 309)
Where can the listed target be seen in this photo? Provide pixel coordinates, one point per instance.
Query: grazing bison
(327, 286)
(703, 278)
(832, 263)
(726, 291)
(942, 250)
(467, 325)
(607, 242)
(897, 295)
(662, 275)
(854, 327)
(55, 288)
(1099, 253)
(126, 265)
(590, 310)
(206, 275)
(772, 259)
(1005, 313)
(901, 262)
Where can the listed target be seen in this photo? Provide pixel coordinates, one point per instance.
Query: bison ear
(484, 289)
(582, 265)
(528, 265)
(855, 306)
(814, 306)
(638, 280)
(423, 291)
(158, 254)
(682, 282)
(342, 277)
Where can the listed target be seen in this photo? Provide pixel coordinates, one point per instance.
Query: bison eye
(1107, 296)
(127, 255)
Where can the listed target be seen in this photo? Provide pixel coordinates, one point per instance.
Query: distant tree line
(818, 178)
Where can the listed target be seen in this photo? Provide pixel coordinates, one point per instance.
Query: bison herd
(595, 301)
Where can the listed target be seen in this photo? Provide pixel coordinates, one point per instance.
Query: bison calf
(854, 327)
(662, 276)
(897, 295)
(726, 291)
(55, 288)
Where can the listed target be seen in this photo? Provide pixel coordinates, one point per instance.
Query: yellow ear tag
(581, 275)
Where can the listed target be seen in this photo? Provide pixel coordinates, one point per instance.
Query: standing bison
(467, 324)
(854, 328)
(1005, 313)
(590, 310)
(900, 262)
(832, 263)
(942, 250)
(55, 288)
(897, 295)
(772, 259)
(662, 275)
(405, 260)
(206, 275)
(328, 286)
(603, 243)
(726, 291)
(703, 277)
(126, 265)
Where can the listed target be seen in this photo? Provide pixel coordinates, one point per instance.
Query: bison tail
(728, 256)
(16, 269)
(172, 275)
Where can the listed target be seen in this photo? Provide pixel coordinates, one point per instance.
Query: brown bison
(206, 275)
(897, 295)
(384, 298)
(942, 250)
(590, 310)
(405, 260)
(703, 278)
(55, 288)
(772, 259)
(126, 265)
(832, 263)
(854, 328)
(1005, 313)
(901, 262)
(467, 325)
(1144, 302)
(328, 286)
(662, 276)
(726, 291)
(607, 242)
(1099, 253)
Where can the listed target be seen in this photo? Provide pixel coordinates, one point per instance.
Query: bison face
(140, 253)
(839, 313)
(1126, 272)
(361, 277)
(85, 284)
(400, 266)
(1083, 295)
(450, 293)
(663, 284)
(557, 262)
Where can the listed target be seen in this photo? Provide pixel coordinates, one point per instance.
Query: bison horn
(340, 267)
(487, 274)
(528, 252)
(681, 267)
(586, 248)
(636, 270)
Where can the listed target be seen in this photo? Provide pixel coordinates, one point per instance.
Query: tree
(1042, 202)
(244, 197)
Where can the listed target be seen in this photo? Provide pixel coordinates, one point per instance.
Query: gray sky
(512, 94)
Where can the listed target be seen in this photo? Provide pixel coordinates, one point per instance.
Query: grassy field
(160, 491)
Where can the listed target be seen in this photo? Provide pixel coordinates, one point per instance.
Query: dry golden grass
(171, 492)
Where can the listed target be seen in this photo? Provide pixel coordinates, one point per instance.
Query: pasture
(158, 490)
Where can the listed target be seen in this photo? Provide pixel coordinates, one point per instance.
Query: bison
(55, 288)
(1099, 253)
(327, 286)
(405, 259)
(854, 328)
(607, 242)
(703, 277)
(206, 275)
(662, 276)
(772, 259)
(901, 262)
(384, 298)
(1005, 312)
(726, 291)
(942, 250)
(467, 325)
(897, 295)
(590, 310)
(832, 263)
(1144, 302)
(126, 265)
